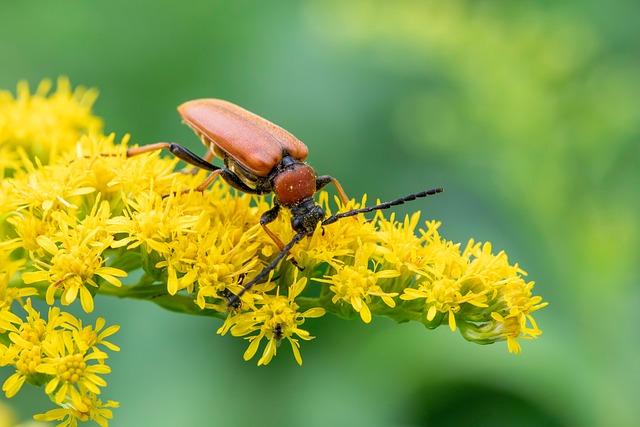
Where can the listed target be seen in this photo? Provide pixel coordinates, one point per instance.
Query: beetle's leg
(177, 150)
(323, 180)
(185, 155)
(207, 157)
(268, 217)
(230, 178)
(204, 184)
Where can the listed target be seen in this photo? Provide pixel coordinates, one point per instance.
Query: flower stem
(157, 294)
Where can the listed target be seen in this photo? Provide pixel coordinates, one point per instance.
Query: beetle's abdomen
(294, 185)
(254, 142)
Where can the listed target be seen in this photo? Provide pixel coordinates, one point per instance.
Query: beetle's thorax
(293, 182)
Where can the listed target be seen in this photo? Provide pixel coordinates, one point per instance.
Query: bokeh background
(528, 113)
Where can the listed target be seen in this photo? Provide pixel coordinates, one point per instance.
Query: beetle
(260, 157)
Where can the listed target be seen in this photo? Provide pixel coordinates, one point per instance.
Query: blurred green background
(528, 113)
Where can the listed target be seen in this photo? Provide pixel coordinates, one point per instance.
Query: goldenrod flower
(8, 295)
(90, 408)
(26, 361)
(72, 267)
(42, 346)
(356, 284)
(72, 375)
(45, 124)
(77, 215)
(152, 220)
(48, 187)
(90, 337)
(275, 318)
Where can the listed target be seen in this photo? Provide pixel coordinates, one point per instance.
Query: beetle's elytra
(259, 158)
(255, 143)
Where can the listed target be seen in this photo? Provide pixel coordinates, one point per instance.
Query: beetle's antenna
(385, 205)
(234, 299)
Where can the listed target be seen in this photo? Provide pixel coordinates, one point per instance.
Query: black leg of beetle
(177, 150)
(268, 217)
(384, 205)
(234, 300)
(203, 185)
(323, 180)
(193, 171)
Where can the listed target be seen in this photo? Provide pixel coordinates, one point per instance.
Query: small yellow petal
(253, 347)
(35, 276)
(86, 300)
(365, 313)
(431, 313)
(452, 321)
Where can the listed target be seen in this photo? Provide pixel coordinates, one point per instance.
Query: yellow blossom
(90, 337)
(90, 408)
(10, 294)
(25, 351)
(48, 187)
(72, 267)
(276, 318)
(72, 374)
(356, 284)
(400, 245)
(46, 123)
(152, 220)
(76, 215)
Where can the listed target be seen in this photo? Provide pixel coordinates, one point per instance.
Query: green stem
(157, 294)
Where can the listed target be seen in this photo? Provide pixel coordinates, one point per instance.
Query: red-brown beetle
(260, 158)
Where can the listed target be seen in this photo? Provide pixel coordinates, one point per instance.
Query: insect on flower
(260, 158)
(277, 332)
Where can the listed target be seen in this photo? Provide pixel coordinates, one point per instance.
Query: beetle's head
(305, 216)
(294, 186)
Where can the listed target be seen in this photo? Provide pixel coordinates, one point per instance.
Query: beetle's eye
(297, 223)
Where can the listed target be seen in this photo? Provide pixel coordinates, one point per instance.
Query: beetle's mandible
(259, 158)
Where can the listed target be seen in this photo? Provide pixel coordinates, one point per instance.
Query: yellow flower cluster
(77, 217)
(62, 355)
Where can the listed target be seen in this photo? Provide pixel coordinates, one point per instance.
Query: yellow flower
(28, 227)
(75, 211)
(400, 245)
(44, 123)
(356, 284)
(26, 361)
(152, 220)
(35, 329)
(90, 408)
(72, 267)
(48, 187)
(445, 296)
(90, 337)
(275, 318)
(103, 165)
(10, 294)
(25, 350)
(72, 374)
